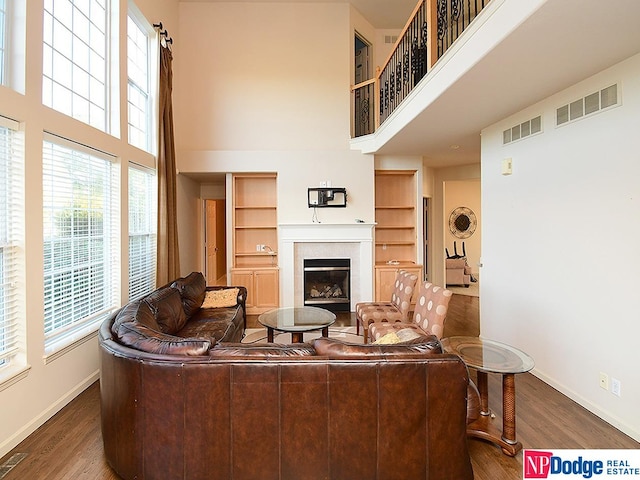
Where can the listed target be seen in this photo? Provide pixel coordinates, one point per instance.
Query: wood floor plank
(69, 446)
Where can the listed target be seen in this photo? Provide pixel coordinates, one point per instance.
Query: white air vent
(592, 103)
(390, 38)
(522, 130)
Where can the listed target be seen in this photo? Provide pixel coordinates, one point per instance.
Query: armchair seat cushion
(378, 312)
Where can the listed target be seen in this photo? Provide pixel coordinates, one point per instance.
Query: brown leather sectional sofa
(320, 410)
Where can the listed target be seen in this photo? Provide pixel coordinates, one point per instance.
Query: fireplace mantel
(317, 240)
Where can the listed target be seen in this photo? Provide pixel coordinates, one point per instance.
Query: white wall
(266, 87)
(560, 245)
(32, 399)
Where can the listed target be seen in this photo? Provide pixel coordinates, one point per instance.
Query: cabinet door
(244, 278)
(385, 283)
(266, 288)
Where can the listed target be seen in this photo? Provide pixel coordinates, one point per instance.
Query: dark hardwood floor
(69, 446)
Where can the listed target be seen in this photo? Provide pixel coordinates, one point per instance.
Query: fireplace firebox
(327, 283)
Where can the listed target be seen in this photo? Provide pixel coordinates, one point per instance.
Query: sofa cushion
(140, 337)
(192, 290)
(224, 297)
(417, 347)
(166, 306)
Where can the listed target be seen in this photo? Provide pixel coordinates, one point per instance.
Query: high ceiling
(383, 14)
(560, 44)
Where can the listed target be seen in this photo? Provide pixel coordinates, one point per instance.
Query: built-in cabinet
(396, 239)
(255, 240)
(262, 287)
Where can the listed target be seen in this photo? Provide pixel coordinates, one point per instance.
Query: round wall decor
(462, 222)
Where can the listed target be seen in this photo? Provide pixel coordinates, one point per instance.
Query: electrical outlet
(258, 247)
(604, 381)
(616, 386)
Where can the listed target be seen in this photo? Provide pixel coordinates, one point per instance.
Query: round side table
(488, 356)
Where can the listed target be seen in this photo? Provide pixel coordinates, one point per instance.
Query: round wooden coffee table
(488, 356)
(297, 320)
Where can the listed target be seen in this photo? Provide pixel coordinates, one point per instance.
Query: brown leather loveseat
(320, 410)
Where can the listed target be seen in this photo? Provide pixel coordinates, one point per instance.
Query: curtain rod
(167, 39)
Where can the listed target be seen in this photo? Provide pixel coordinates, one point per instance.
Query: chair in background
(432, 304)
(396, 310)
(458, 272)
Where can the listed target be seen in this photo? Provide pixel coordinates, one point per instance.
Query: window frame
(64, 89)
(12, 357)
(147, 90)
(151, 231)
(59, 339)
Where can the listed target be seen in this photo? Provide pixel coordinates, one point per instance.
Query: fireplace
(327, 283)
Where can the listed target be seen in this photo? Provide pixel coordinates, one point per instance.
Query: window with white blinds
(11, 242)
(142, 231)
(76, 59)
(81, 254)
(138, 86)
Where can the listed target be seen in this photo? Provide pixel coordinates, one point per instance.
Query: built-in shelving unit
(255, 239)
(255, 221)
(395, 230)
(395, 207)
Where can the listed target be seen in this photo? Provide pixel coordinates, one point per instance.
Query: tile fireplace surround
(325, 240)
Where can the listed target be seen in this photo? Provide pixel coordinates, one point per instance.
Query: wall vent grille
(522, 130)
(390, 38)
(592, 103)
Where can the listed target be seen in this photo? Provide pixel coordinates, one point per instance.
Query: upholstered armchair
(432, 304)
(396, 310)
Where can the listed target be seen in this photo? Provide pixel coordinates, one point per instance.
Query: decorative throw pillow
(226, 297)
(407, 334)
(388, 339)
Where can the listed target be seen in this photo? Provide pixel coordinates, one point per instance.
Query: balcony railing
(433, 27)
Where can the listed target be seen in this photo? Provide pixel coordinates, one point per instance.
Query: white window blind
(81, 254)
(138, 89)
(75, 59)
(142, 231)
(11, 241)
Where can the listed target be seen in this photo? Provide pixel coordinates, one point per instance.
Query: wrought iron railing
(433, 27)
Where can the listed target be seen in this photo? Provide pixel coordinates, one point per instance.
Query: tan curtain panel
(168, 267)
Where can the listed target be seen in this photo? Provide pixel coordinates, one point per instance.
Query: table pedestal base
(484, 428)
(296, 337)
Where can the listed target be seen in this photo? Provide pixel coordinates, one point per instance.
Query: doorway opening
(363, 97)
(215, 242)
